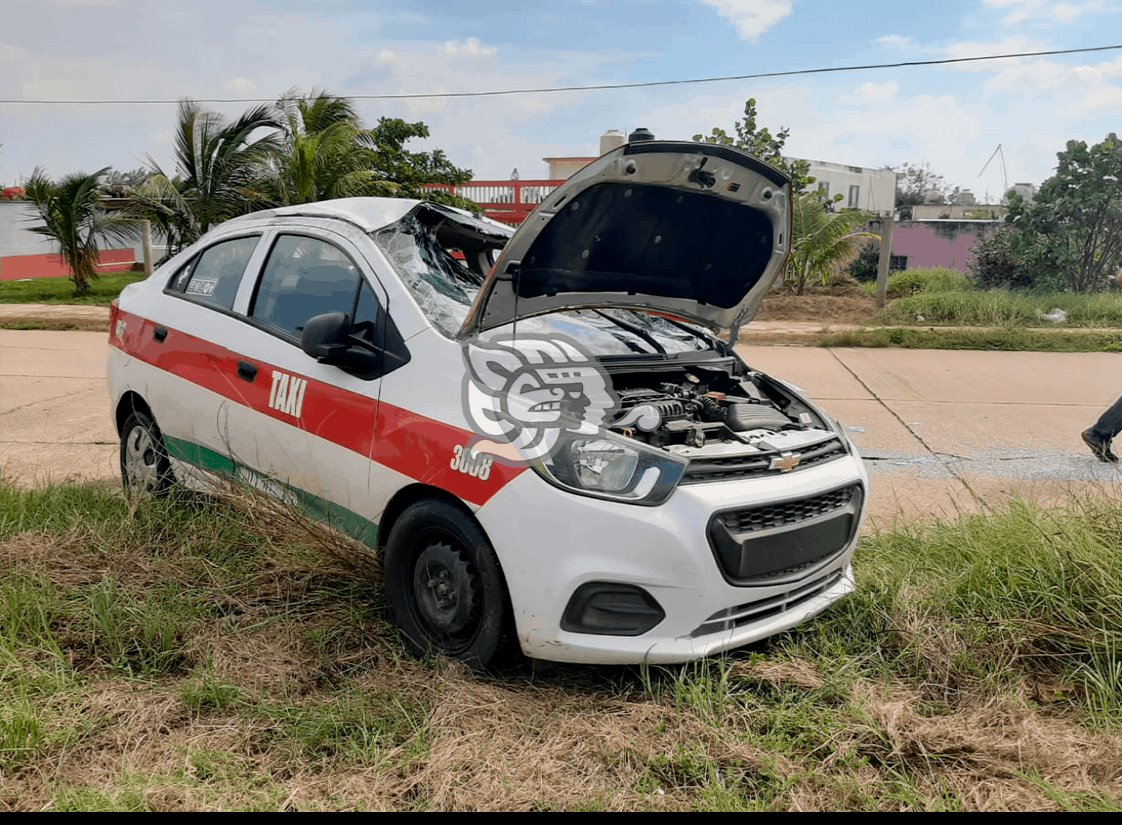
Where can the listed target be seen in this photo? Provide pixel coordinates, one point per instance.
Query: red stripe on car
(403, 440)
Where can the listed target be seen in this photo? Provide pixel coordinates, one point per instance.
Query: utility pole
(146, 245)
(885, 259)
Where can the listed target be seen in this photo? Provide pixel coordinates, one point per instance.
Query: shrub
(933, 279)
(1009, 259)
(864, 267)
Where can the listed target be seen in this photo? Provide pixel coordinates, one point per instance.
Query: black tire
(144, 457)
(445, 589)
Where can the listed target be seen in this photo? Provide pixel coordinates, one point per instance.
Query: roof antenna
(998, 153)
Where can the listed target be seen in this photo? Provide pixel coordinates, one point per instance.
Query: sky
(951, 117)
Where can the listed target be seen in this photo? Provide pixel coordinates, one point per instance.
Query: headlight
(609, 466)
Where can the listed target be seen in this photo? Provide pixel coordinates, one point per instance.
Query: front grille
(736, 617)
(766, 544)
(701, 470)
(770, 516)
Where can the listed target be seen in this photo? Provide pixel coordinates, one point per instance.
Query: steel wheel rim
(141, 459)
(447, 592)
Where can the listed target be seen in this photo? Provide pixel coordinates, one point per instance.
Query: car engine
(711, 412)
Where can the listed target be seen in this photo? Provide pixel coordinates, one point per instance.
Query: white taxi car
(317, 352)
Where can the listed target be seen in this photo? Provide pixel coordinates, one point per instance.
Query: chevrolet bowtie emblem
(785, 463)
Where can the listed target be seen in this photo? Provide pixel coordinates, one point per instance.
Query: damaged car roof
(372, 214)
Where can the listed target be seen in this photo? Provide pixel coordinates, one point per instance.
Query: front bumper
(550, 542)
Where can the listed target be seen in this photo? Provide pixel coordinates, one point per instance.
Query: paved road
(942, 430)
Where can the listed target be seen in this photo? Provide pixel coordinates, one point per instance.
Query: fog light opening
(611, 609)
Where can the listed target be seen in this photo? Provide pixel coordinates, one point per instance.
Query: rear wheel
(144, 458)
(445, 588)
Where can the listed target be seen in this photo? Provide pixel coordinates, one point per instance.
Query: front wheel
(144, 458)
(445, 588)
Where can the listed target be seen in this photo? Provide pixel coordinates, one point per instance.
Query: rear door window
(214, 276)
(304, 277)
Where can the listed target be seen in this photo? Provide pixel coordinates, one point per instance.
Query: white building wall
(16, 237)
(875, 188)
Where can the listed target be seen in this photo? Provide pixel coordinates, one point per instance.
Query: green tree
(822, 240)
(1073, 225)
(762, 144)
(122, 184)
(219, 170)
(302, 149)
(320, 154)
(915, 181)
(74, 219)
(410, 171)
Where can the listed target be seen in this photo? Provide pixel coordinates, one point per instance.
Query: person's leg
(1110, 422)
(1098, 437)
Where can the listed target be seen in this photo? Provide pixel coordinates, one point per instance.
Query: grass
(103, 289)
(945, 297)
(1002, 308)
(213, 654)
(1008, 339)
(912, 281)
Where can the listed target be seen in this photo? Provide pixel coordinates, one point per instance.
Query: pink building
(948, 243)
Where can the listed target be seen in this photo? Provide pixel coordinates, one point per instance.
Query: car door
(312, 424)
(187, 335)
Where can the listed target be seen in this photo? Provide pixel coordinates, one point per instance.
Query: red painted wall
(16, 267)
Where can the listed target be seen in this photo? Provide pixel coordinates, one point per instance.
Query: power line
(591, 88)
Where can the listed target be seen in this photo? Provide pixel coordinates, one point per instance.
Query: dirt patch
(824, 309)
(63, 317)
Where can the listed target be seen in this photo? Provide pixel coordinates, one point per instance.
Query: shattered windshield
(444, 264)
(443, 286)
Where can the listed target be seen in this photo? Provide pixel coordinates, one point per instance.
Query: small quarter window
(216, 274)
(366, 315)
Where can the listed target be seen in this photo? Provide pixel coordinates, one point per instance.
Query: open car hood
(687, 229)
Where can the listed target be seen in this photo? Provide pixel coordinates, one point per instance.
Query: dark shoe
(1100, 447)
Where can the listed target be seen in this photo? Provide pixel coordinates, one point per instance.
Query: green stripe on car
(328, 512)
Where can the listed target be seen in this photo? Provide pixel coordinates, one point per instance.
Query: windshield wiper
(634, 329)
(709, 341)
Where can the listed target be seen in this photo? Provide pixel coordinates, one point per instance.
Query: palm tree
(821, 240)
(73, 218)
(320, 155)
(219, 167)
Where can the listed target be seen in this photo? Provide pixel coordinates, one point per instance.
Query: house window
(824, 188)
(897, 263)
(854, 196)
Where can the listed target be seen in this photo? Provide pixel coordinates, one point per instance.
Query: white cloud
(472, 47)
(752, 17)
(874, 92)
(895, 41)
(239, 85)
(85, 4)
(1013, 44)
(1046, 11)
(1102, 100)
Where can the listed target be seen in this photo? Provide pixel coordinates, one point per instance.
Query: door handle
(246, 371)
(160, 333)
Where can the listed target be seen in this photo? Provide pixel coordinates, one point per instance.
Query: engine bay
(714, 411)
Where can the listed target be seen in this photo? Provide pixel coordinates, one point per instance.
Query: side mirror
(329, 339)
(325, 337)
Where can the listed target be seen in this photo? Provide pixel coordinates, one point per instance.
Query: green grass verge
(1010, 339)
(206, 654)
(999, 308)
(931, 279)
(103, 289)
